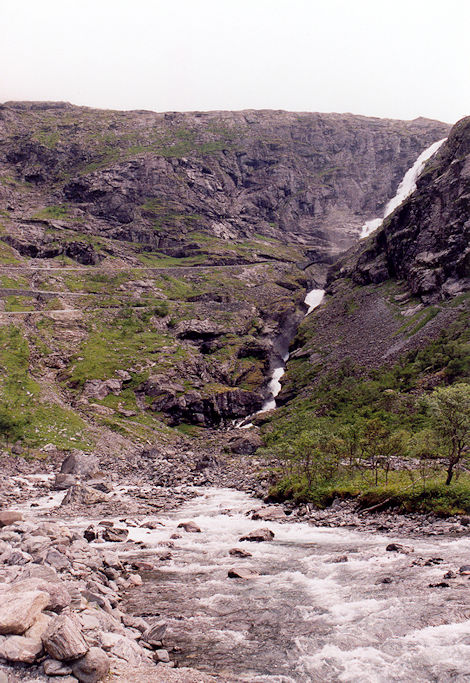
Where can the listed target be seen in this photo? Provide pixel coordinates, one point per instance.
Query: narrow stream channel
(311, 614)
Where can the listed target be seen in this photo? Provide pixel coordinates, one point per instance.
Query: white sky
(390, 58)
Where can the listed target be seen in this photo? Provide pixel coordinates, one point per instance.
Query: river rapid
(329, 604)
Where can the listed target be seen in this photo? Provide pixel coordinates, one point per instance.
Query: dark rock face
(313, 177)
(426, 241)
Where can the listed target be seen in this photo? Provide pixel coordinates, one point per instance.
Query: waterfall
(405, 188)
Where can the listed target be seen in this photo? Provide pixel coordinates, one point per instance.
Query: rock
(161, 656)
(57, 559)
(91, 533)
(465, 570)
(241, 573)
(239, 552)
(63, 481)
(153, 635)
(81, 464)
(450, 575)
(8, 517)
(271, 513)
(246, 444)
(115, 534)
(259, 535)
(52, 667)
(464, 521)
(20, 649)
(19, 609)
(191, 527)
(93, 667)
(40, 626)
(399, 548)
(63, 639)
(340, 558)
(99, 389)
(83, 495)
(59, 597)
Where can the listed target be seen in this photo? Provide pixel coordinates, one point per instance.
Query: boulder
(80, 463)
(239, 552)
(83, 495)
(115, 534)
(52, 667)
(241, 573)
(99, 389)
(93, 667)
(20, 608)
(465, 570)
(63, 639)
(191, 527)
(20, 649)
(153, 635)
(59, 597)
(399, 548)
(63, 481)
(8, 517)
(246, 444)
(259, 535)
(270, 513)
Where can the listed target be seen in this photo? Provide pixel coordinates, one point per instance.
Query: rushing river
(308, 616)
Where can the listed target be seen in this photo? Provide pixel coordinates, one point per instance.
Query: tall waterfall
(405, 188)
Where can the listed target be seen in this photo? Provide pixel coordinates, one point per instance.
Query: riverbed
(329, 604)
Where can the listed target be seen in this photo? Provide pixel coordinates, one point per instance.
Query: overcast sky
(389, 58)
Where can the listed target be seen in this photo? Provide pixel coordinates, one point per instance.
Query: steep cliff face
(161, 179)
(426, 241)
(400, 290)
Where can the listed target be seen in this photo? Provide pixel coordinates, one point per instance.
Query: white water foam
(405, 188)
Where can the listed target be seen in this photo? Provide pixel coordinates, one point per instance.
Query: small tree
(450, 414)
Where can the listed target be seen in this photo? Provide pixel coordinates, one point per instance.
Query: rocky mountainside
(394, 322)
(153, 266)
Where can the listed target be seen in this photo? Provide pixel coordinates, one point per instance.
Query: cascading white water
(405, 188)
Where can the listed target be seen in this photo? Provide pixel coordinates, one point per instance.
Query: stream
(329, 604)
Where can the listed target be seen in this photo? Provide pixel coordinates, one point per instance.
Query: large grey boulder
(80, 463)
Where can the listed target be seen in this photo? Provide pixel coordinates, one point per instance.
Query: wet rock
(340, 558)
(8, 517)
(386, 579)
(63, 481)
(399, 548)
(153, 636)
(441, 584)
(259, 535)
(450, 575)
(465, 570)
(269, 514)
(20, 608)
(190, 527)
(80, 463)
(115, 534)
(91, 533)
(239, 552)
(63, 639)
(241, 573)
(93, 667)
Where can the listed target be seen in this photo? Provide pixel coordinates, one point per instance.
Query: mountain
(394, 323)
(153, 266)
